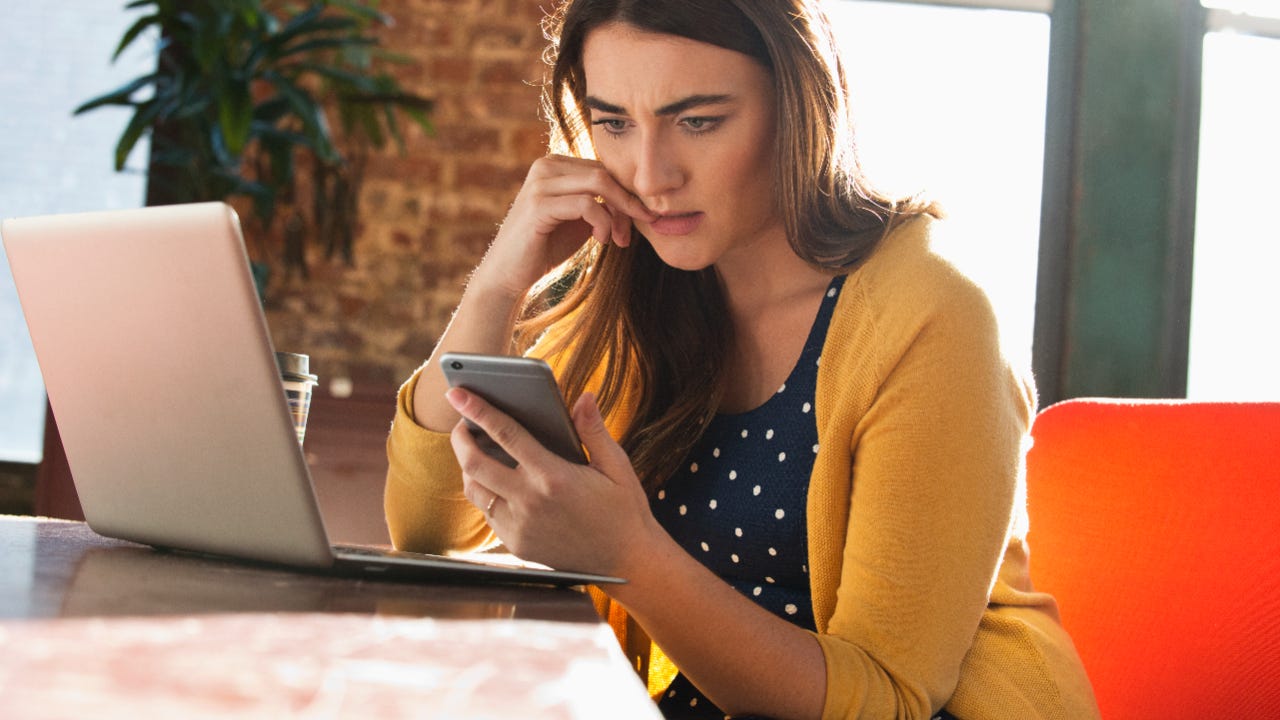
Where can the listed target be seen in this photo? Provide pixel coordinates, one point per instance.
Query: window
(950, 100)
(55, 163)
(1235, 296)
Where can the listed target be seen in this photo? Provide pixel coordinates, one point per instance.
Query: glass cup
(295, 374)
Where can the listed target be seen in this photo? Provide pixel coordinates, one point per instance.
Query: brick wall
(427, 214)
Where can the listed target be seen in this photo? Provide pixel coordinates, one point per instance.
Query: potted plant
(241, 93)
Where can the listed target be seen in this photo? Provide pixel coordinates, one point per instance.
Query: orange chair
(1156, 524)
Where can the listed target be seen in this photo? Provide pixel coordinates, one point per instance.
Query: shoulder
(909, 267)
(907, 285)
(910, 313)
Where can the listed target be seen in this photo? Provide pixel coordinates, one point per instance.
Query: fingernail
(457, 397)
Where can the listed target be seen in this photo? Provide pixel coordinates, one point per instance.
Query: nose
(658, 170)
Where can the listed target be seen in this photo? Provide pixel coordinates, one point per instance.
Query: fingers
(481, 476)
(621, 230)
(588, 182)
(503, 432)
(562, 203)
(566, 210)
(606, 455)
(477, 493)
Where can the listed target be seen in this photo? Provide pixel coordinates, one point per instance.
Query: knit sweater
(917, 523)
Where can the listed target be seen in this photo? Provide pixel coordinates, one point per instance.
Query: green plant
(240, 94)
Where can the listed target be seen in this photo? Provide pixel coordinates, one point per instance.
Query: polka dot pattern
(738, 504)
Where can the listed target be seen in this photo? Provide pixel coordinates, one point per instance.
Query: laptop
(162, 378)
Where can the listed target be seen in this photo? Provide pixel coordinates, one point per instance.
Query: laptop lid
(162, 378)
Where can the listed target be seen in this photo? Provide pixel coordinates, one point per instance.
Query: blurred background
(1108, 167)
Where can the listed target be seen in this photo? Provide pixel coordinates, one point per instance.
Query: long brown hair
(661, 333)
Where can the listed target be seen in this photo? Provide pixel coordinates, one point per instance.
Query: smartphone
(524, 388)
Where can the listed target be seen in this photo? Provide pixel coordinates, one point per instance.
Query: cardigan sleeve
(423, 501)
(926, 421)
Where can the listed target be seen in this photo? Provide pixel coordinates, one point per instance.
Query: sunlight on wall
(951, 101)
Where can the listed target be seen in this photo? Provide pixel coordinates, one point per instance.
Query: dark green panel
(1116, 222)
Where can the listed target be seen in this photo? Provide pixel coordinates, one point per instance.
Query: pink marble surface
(98, 628)
(314, 665)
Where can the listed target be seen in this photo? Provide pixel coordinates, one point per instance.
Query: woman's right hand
(557, 210)
(564, 202)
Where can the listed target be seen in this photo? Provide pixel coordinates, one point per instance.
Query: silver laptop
(162, 377)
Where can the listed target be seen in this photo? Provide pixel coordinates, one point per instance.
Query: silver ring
(489, 508)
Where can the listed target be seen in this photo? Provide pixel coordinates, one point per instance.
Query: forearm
(557, 210)
(423, 501)
(483, 323)
(742, 657)
(425, 509)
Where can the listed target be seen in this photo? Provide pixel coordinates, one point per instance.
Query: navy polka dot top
(738, 503)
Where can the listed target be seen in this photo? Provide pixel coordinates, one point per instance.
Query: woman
(805, 539)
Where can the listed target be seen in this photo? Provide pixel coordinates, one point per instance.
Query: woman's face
(689, 128)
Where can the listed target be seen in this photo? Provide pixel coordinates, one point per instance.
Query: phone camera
(456, 365)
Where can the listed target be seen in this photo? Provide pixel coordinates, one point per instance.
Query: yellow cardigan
(916, 507)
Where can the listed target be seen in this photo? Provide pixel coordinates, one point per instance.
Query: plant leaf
(271, 110)
(368, 118)
(133, 32)
(365, 12)
(421, 118)
(235, 115)
(393, 126)
(344, 78)
(312, 23)
(394, 57)
(309, 112)
(138, 124)
(119, 96)
(327, 43)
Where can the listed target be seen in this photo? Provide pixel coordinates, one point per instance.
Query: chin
(682, 254)
(683, 261)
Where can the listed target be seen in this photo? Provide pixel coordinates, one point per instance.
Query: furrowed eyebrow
(596, 103)
(674, 108)
(693, 101)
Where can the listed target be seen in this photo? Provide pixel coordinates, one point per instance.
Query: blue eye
(699, 125)
(613, 126)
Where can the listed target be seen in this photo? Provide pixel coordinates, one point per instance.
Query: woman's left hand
(588, 518)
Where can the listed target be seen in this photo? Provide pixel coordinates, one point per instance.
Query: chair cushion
(1154, 524)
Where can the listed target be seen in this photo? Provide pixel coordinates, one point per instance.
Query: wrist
(491, 285)
(492, 301)
(644, 562)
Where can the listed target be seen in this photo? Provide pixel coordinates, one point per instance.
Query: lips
(677, 223)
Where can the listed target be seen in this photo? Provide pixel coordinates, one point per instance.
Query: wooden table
(92, 627)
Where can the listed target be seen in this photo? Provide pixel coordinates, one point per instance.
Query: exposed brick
(471, 244)
(352, 306)
(464, 138)
(392, 165)
(528, 143)
(490, 175)
(427, 215)
(450, 69)
(509, 72)
(402, 239)
(505, 37)
(513, 107)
